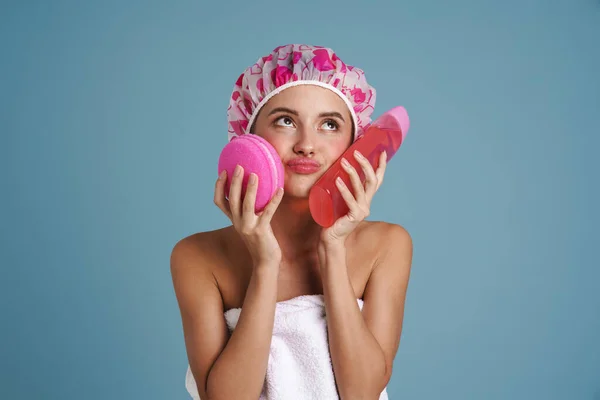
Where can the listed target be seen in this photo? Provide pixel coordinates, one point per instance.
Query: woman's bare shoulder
(200, 250)
(380, 235)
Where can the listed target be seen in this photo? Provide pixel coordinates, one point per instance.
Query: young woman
(335, 296)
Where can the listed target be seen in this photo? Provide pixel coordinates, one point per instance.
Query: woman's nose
(305, 144)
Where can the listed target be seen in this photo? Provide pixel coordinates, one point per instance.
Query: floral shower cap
(298, 64)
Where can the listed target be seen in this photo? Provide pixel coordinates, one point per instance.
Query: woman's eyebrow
(332, 114)
(283, 109)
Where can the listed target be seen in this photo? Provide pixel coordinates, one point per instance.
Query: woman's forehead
(307, 99)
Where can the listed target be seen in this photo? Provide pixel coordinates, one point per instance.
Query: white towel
(299, 365)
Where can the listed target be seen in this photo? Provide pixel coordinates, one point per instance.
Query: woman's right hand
(254, 229)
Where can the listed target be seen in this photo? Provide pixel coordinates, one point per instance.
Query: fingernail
(338, 180)
(238, 170)
(357, 153)
(252, 179)
(345, 162)
(223, 174)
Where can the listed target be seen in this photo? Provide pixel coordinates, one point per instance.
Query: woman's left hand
(359, 203)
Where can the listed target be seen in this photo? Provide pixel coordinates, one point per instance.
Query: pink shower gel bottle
(385, 133)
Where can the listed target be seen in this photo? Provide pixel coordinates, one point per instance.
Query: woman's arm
(363, 345)
(224, 367)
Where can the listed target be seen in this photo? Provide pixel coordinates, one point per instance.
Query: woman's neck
(295, 229)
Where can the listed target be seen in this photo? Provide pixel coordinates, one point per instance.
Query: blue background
(112, 117)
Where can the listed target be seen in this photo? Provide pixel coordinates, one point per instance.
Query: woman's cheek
(339, 151)
(279, 147)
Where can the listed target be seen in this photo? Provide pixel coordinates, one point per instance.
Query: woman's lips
(303, 166)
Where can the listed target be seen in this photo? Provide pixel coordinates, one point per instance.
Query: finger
(359, 190)
(355, 213)
(371, 183)
(268, 212)
(250, 197)
(381, 168)
(219, 198)
(235, 191)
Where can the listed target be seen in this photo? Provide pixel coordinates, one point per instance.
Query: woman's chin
(298, 186)
(298, 190)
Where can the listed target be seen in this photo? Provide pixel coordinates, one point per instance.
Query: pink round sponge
(255, 155)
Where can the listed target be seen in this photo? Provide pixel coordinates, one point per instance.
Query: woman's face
(310, 127)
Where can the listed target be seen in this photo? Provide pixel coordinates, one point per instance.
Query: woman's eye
(330, 125)
(284, 121)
